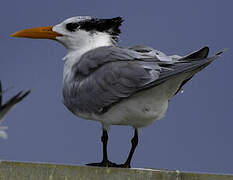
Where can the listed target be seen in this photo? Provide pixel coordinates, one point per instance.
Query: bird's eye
(72, 26)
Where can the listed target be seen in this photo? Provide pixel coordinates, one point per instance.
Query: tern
(5, 108)
(116, 85)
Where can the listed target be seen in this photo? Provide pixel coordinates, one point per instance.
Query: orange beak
(38, 33)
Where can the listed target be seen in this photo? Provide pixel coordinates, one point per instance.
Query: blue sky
(196, 133)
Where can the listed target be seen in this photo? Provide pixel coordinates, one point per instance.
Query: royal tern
(116, 85)
(5, 108)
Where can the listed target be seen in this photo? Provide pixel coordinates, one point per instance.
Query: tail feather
(200, 54)
(211, 59)
(194, 62)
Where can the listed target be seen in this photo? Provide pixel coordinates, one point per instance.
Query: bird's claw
(109, 164)
(104, 164)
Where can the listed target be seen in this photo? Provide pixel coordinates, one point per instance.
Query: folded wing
(106, 75)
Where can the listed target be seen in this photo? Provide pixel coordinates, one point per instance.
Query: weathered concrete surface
(38, 171)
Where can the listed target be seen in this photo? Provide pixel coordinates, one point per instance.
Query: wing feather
(107, 75)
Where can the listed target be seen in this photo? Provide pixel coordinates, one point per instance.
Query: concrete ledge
(41, 171)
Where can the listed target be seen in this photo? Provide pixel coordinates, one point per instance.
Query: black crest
(111, 26)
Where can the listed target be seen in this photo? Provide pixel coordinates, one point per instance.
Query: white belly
(144, 107)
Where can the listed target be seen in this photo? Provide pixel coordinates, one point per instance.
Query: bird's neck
(74, 54)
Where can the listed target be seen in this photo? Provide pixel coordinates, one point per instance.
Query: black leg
(134, 142)
(104, 140)
(105, 162)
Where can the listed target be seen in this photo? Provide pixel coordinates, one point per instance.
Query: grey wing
(112, 82)
(99, 56)
(105, 77)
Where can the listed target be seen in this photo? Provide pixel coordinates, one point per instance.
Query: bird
(114, 85)
(6, 107)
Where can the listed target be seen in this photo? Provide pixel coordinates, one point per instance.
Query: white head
(87, 32)
(78, 33)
